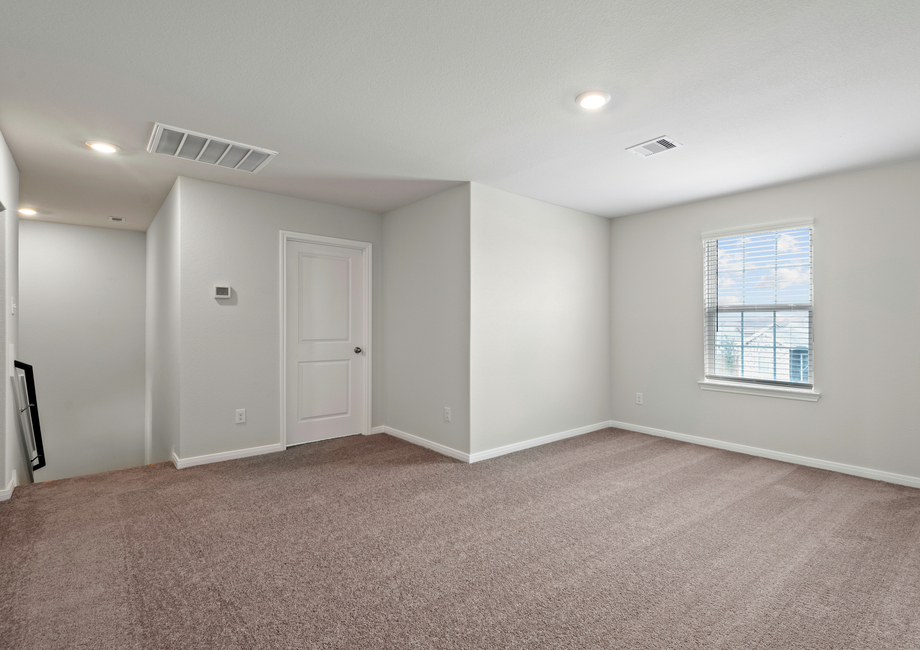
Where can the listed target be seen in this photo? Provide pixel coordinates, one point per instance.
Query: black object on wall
(24, 390)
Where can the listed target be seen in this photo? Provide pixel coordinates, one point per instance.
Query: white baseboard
(182, 463)
(421, 442)
(7, 492)
(888, 477)
(489, 453)
(536, 442)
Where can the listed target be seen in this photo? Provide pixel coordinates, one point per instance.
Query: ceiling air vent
(658, 145)
(180, 143)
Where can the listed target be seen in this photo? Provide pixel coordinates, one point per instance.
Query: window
(758, 306)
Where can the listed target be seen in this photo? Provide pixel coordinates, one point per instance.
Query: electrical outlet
(240, 416)
(639, 399)
(446, 414)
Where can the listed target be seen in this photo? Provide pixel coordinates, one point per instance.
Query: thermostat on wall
(221, 292)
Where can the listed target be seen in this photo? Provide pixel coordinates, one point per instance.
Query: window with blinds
(758, 304)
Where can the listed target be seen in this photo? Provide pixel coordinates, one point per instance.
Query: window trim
(758, 228)
(754, 387)
(763, 390)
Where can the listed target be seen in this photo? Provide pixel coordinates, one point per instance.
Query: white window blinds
(759, 307)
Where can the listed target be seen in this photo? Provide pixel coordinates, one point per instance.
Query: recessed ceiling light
(593, 99)
(102, 147)
(29, 212)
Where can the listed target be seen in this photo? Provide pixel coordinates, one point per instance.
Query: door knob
(357, 350)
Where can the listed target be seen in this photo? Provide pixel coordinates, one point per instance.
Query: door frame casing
(366, 249)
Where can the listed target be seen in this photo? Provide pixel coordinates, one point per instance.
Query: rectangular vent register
(181, 143)
(658, 145)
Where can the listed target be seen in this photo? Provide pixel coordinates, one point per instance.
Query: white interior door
(325, 341)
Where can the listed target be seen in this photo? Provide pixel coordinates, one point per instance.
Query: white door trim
(367, 249)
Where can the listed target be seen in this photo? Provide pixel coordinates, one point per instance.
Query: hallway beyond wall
(82, 329)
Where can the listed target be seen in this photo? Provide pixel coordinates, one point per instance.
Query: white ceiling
(376, 104)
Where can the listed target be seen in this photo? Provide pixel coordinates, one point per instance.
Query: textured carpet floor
(609, 540)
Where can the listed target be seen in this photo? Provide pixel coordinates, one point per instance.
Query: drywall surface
(540, 319)
(230, 349)
(82, 309)
(427, 317)
(11, 454)
(867, 306)
(163, 381)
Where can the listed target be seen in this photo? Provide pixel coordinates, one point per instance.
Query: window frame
(751, 386)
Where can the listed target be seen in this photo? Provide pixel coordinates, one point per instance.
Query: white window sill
(782, 392)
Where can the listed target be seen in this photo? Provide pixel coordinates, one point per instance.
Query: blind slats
(758, 296)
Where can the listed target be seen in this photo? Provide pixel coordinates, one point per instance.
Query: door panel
(325, 309)
(325, 323)
(323, 389)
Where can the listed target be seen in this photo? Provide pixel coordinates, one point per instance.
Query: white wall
(427, 317)
(163, 329)
(81, 303)
(11, 454)
(230, 349)
(540, 319)
(867, 307)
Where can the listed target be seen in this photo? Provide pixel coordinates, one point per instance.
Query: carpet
(612, 539)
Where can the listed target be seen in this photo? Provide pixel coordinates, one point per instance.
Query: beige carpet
(609, 540)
